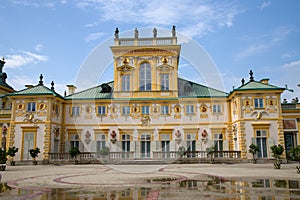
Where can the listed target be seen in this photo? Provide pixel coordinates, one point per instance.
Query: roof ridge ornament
(251, 76)
(52, 85)
(41, 80)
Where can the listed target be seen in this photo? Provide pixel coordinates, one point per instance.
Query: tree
(34, 154)
(3, 159)
(277, 151)
(12, 153)
(253, 149)
(74, 152)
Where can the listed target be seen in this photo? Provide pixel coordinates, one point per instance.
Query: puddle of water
(169, 188)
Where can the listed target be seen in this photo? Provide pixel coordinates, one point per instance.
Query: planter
(277, 165)
(12, 163)
(298, 169)
(2, 167)
(34, 162)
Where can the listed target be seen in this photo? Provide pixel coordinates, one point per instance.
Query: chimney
(71, 89)
(265, 81)
(28, 86)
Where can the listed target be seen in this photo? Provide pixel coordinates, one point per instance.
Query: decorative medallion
(178, 136)
(42, 106)
(87, 137)
(20, 106)
(113, 137)
(177, 109)
(88, 109)
(145, 120)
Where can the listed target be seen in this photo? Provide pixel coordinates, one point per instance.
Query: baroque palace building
(146, 109)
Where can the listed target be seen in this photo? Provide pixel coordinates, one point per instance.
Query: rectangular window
(101, 110)
(164, 81)
(31, 106)
(164, 110)
(261, 141)
(189, 109)
(74, 141)
(126, 110)
(125, 82)
(100, 138)
(218, 141)
(217, 108)
(258, 103)
(145, 110)
(75, 111)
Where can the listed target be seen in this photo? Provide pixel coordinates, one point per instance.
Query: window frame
(101, 113)
(126, 82)
(144, 107)
(75, 112)
(188, 109)
(217, 109)
(145, 75)
(259, 103)
(165, 110)
(164, 82)
(31, 106)
(127, 110)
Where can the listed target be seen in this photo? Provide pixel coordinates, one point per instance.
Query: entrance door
(27, 145)
(289, 143)
(145, 145)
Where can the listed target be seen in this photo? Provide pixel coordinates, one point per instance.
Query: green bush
(74, 152)
(34, 152)
(104, 151)
(295, 153)
(277, 151)
(3, 156)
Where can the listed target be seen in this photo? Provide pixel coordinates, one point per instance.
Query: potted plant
(12, 153)
(295, 155)
(104, 151)
(3, 159)
(277, 151)
(253, 149)
(181, 151)
(74, 152)
(34, 154)
(210, 153)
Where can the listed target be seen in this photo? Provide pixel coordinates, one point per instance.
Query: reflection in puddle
(169, 188)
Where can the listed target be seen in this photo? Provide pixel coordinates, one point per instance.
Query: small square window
(101, 110)
(217, 108)
(189, 109)
(258, 103)
(31, 106)
(164, 110)
(145, 110)
(126, 110)
(75, 111)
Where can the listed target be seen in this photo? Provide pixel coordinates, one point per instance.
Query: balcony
(161, 41)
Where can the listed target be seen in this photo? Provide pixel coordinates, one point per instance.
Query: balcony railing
(168, 156)
(145, 41)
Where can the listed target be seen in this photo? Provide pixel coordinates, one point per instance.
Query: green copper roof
(36, 90)
(254, 85)
(188, 89)
(93, 93)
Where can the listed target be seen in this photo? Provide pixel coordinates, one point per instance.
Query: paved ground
(80, 176)
(48, 181)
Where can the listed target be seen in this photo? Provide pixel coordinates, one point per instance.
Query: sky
(57, 38)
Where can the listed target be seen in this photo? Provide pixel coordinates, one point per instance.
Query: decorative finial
(136, 33)
(243, 81)
(65, 93)
(41, 80)
(117, 33)
(154, 32)
(174, 31)
(52, 85)
(251, 75)
(2, 62)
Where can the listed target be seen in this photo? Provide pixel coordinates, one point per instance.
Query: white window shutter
(225, 145)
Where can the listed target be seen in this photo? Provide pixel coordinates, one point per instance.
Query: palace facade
(147, 109)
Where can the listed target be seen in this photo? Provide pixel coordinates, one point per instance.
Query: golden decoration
(21, 106)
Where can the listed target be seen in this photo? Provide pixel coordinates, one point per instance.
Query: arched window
(145, 77)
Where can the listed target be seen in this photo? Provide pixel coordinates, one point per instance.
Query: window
(164, 110)
(217, 108)
(125, 144)
(145, 110)
(31, 106)
(261, 141)
(74, 141)
(126, 110)
(164, 81)
(191, 144)
(189, 109)
(218, 141)
(100, 138)
(125, 82)
(258, 102)
(75, 111)
(101, 110)
(145, 77)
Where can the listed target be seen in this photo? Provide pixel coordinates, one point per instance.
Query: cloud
(23, 58)
(38, 47)
(266, 42)
(94, 36)
(195, 18)
(264, 5)
(294, 64)
(34, 3)
(289, 54)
